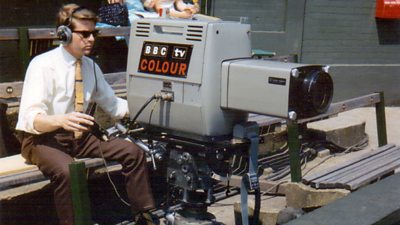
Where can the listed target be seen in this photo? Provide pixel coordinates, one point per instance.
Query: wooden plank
(13, 164)
(42, 33)
(370, 171)
(112, 78)
(360, 171)
(11, 34)
(8, 34)
(20, 178)
(118, 86)
(28, 174)
(114, 31)
(315, 176)
(14, 171)
(353, 169)
(355, 184)
(50, 33)
(368, 168)
(16, 164)
(11, 89)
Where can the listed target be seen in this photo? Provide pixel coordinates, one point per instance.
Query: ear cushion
(64, 34)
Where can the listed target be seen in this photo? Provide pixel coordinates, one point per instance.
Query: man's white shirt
(49, 88)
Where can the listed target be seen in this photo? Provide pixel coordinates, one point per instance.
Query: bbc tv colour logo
(168, 59)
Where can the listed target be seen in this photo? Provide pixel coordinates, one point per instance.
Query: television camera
(191, 85)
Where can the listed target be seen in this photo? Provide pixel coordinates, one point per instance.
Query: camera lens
(311, 92)
(318, 91)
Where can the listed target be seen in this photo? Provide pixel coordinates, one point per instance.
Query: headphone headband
(72, 15)
(64, 32)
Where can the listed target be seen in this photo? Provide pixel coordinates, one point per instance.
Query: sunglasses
(86, 34)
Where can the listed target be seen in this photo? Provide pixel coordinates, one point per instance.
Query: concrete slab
(392, 123)
(302, 196)
(345, 130)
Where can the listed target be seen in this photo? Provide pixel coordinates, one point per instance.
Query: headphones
(64, 32)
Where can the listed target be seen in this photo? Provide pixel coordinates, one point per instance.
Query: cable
(257, 205)
(110, 180)
(336, 148)
(152, 109)
(165, 96)
(95, 75)
(132, 122)
(273, 187)
(142, 108)
(326, 159)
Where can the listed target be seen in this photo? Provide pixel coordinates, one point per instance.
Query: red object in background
(387, 9)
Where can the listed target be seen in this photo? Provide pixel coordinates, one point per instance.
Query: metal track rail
(358, 172)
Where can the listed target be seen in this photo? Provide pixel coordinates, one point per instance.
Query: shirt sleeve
(34, 96)
(106, 98)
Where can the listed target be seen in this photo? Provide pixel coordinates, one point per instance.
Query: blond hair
(71, 11)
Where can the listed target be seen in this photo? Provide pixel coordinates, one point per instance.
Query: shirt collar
(69, 59)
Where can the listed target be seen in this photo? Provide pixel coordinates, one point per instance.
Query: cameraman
(54, 131)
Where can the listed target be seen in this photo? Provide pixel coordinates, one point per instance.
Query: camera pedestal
(194, 213)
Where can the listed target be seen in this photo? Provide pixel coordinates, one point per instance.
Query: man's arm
(105, 97)
(74, 121)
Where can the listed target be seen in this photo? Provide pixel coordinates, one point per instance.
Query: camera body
(184, 57)
(207, 67)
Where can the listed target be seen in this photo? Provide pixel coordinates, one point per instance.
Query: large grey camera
(207, 67)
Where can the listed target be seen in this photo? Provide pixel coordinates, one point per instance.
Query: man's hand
(76, 121)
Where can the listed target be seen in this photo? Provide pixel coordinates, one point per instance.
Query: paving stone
(301, 196)
(343, 130)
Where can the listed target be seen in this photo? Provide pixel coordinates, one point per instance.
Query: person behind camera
(177, 8)
(58, 87)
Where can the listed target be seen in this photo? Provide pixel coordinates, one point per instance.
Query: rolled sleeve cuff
(27, 124)
(122, 108)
